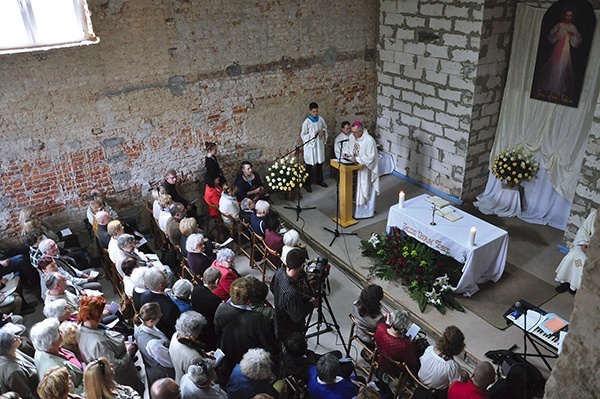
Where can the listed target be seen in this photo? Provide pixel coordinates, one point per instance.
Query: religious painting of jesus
(563, 50)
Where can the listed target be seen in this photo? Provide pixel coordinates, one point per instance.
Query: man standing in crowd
(314, 136)
(291, 304)
(364, 151)
(170, 185)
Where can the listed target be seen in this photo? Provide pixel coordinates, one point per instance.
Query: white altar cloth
(482, 262)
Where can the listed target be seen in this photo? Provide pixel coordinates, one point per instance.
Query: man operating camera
(291, 304)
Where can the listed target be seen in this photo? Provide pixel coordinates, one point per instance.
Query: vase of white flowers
(514, 166)
(286, 175)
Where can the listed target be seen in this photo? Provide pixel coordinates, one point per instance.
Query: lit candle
(401, 200)
(472, 236)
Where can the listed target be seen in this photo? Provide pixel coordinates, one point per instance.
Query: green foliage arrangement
(415, 265)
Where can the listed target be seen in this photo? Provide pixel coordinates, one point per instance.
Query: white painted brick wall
(394, 19)
(403, 83)
(455, 40)
(405, 58)
(410, 72)
(466, 26)
(458, 82)
(436, 77)
(388, 6)
(432, 127)
(451, 95)
(423, 113)
(412, 97)
(428, 63)
(451, 67)
(441, 24)
(415, 48)
(447, 120)
(391, 67)
(408, 7)
(434, 102)
(433, 50)
(415, 22)
(455, 135)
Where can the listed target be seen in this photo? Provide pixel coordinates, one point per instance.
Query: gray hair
(400, 320)
(182, 289)
(201, 372)
(44, 334)
(124, 241)
(224, 254)
(262, 206)
(190, 324)
(211, 275)
(56, 308)
(137, 277)
(154, 277)
(44, 245)
(328, 367)
(256, 365)
(7, 339)
(192, 242)
(52, 279)
(291, 238)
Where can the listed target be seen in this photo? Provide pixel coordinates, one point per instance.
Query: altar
(483, 261)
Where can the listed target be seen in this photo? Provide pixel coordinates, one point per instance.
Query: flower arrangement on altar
(415, 265)
(285, 174)
(514, 165)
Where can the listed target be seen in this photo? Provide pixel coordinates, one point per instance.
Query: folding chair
(161, 242)
(297, 389)
(398, 378)
(246, 236)
(353, 337)
(233, 230)
(412, 383)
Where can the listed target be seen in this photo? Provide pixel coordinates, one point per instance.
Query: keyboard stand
(535, 341)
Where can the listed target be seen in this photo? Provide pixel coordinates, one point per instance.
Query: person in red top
(476, 387)
(212, 195)
(225, 263)
(393, 343)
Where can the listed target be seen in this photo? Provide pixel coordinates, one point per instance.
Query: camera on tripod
(319, 267)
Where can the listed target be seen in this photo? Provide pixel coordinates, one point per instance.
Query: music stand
(336, 233)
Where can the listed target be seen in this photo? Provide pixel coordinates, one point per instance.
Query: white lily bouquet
(285, 174)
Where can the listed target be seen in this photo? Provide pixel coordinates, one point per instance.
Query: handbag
(127, 309)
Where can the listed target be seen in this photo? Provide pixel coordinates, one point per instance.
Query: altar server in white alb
(568, 272)
(364, 151)
(314, 128)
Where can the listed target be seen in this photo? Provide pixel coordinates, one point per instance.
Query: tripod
(321, 320)
(336, 233)
(298, 208)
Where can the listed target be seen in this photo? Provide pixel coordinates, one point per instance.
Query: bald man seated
(165, 388)
(476, 387)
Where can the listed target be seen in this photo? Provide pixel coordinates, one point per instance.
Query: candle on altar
(472, 236)
(401, 200)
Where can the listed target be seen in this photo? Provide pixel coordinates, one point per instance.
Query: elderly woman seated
(153, 344)
(164, 201)
(139, 285)
(17, 370)
(181, 294)
(253, 375)
(95, 342)
(393, 344)
(225, 263)
(99, 380)
(47, 341)
(198, 257)
(185, 347)
(198, 382)
(57, 384)
(48, 266)
(291, 240)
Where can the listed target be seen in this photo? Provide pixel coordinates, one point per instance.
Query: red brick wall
(166, 78)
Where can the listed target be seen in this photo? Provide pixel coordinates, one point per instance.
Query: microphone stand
(298, 208)
(336, 233)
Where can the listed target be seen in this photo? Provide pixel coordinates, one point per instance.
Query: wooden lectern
(345, 188)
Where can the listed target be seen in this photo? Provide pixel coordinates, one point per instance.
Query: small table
(483, 261)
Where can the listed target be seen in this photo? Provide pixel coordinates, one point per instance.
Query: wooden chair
(233, 230)
(218, 221)
(413, 383)
(297, 389)
(398, 378)
(246, 241)
(110, 271)
(161, 242)
(260, 248)
(353, 337)
(185, 271)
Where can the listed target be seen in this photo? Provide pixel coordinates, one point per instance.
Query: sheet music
(66, 232)
(531, 320)
(413, 331)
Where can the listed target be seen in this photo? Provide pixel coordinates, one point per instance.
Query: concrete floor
(531, 247)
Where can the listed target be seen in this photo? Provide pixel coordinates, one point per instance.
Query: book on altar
(553, 324)
(437, 201)
(449, 214)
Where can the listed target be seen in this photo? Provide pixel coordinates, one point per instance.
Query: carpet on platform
(492, 299)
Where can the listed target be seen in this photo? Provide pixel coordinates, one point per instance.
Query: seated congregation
(199, 328)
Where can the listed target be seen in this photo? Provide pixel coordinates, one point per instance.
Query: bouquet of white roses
(514, 165)
(286, 174)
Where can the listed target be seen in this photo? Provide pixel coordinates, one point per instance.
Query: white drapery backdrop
(555, 134)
